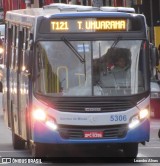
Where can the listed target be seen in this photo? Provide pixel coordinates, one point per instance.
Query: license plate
(93, 134)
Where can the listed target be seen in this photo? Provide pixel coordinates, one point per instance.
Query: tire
(37, 150)
(18, 142)
(130, 149)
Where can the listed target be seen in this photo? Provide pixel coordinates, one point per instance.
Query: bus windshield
(89, 68)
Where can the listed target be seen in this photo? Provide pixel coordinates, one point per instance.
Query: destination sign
(88, 25)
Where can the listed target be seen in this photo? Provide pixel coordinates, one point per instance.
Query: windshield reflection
(108, 69)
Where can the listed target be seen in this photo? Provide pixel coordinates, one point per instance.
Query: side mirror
(154, 56)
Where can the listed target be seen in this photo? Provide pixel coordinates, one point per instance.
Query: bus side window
(8, 46)
(25, 49)
(13, 47)
(17, 43)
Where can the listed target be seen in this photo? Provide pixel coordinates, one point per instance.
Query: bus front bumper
(43, 134)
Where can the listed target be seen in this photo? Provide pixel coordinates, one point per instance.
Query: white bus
(60, 86)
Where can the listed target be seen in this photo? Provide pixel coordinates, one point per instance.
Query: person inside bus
(116, 60)
(121, 69)
(116, 68)
(121, 63)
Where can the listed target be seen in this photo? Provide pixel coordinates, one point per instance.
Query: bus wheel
(130, 149)
(37, 150)
(18, 142)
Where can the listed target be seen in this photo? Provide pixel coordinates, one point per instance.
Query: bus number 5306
(118, 118)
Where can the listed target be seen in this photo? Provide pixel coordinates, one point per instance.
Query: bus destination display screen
(87, 25)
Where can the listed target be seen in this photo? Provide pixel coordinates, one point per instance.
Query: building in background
(150, 8)
(12, 4)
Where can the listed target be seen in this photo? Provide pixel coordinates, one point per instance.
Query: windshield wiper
(73, 50)
(116, 42)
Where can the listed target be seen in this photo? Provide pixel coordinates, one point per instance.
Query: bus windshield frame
(82, 68)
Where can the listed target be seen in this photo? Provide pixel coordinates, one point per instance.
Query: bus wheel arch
(17, 141)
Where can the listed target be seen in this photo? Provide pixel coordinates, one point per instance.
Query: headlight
(134, 122)
(138, 118)
(51, 124)
(143, 114)
(40, 115)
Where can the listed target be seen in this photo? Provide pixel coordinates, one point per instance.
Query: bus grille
(109, 132)
(110, 106)
(92, 104)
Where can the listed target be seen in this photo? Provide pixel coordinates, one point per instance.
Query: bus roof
(30, 15)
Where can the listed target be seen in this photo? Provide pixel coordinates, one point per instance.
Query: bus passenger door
(6, 76)
(13, 79)
(22, 96)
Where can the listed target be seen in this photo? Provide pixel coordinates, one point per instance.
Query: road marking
(141, 155)
(149, 147)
